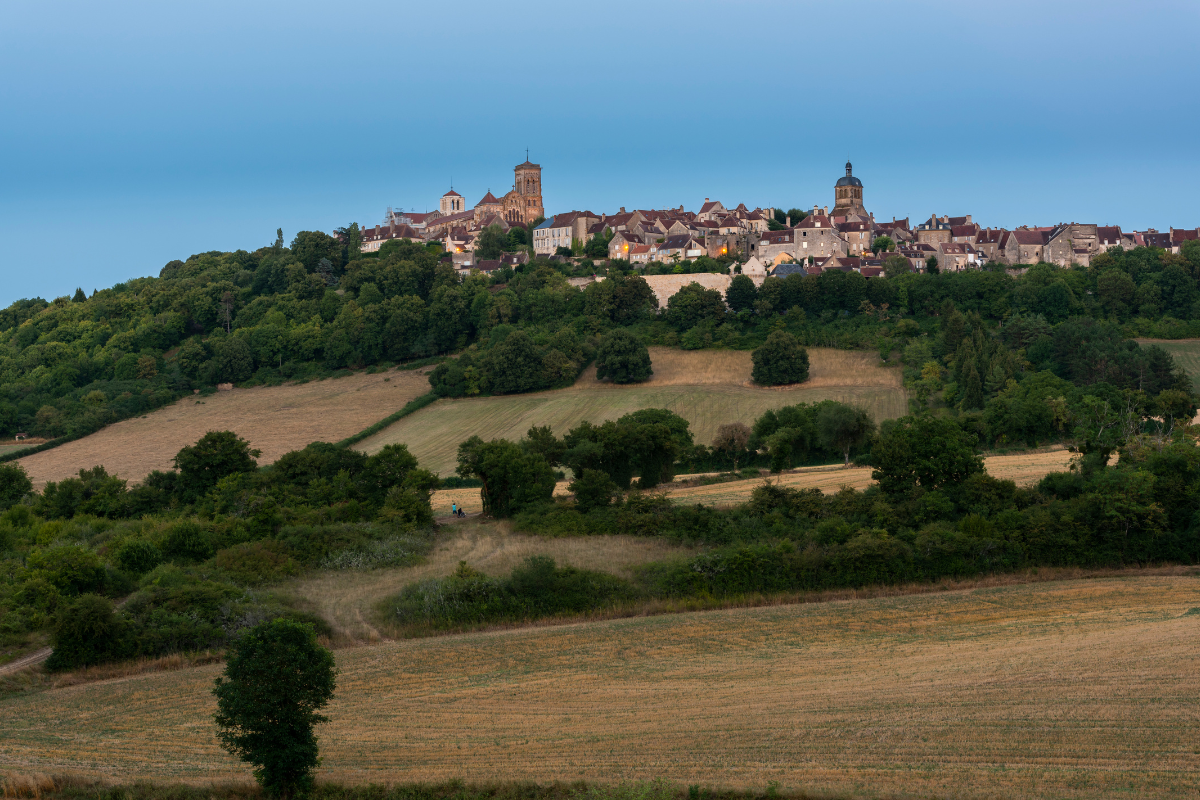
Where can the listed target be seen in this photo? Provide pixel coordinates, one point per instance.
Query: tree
(216, 455)
(593, 489)
(491, 242)
(924, 452)
(841, 427)
(514, 365)
(351, 239)
(278, 239)
(512, 478)
(565, 251)
(275, 681)
(597, 246)
(931, 266)
(780, 360)
(896, 265)
(232, 361)
(311, 246)
(79, 297)
(882, 243)
(731, 439)
(623, 358)
(14, 485)
(741, 293)
(517, 237)
(694, 304)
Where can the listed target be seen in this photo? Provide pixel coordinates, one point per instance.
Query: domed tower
(848, 195)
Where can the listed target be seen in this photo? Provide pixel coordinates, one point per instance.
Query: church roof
(528, 163)
(489, 199)
(452, 193)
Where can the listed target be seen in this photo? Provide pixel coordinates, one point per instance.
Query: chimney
(706, 199)
(622, 209)
(788, 221)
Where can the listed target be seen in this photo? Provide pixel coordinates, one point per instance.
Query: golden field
(1076, 689)
(274, 419)
(707, 388)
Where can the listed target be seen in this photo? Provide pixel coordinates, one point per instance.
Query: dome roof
(849, 180)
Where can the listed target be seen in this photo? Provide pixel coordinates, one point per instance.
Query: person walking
(454, 509)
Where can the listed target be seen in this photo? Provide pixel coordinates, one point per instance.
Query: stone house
(1026, 246)
(622, 243)
(773, 244)
(1071, 244)
(679, 247)
(818, 237)
(917, 255)
(1180, 235)
(858, 235)
(373, 238)
(988, 244)
(955, 257)
(712, 211)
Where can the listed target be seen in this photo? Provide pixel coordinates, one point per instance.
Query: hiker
(454, 509)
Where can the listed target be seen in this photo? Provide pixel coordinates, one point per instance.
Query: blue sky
(133, 133)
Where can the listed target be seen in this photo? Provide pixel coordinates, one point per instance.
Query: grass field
(7, 448)
(1024, 469)
(1067, 690)
(1186, 353)
(708, 388)
(273, 419)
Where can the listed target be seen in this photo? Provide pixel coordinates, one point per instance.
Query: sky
(134, 133)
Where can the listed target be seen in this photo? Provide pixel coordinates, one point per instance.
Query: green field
(1070, 689)
(705, 388)
(7, 449)
(1186, 353)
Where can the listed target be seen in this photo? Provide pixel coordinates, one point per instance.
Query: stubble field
(1066, 690)
(274, 419)
(707, 388)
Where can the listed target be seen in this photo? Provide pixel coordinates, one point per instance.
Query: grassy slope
(708, 388)
(1070, 689)
(273, 419)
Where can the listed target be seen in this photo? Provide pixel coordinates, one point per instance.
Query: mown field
(707, 388)
(273, 419)
(1067, 690)
(1186, 353)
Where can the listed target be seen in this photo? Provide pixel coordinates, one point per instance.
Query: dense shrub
(780, 360)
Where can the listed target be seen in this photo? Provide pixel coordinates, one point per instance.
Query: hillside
(1014, 691)
(707, 388)
(273, 419)
(1186, 353)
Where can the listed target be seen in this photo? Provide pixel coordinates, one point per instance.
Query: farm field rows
(706, 388)
(1022, 468)
(274, 419)
(1069, 689)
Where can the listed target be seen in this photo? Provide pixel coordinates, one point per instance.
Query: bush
(14, 485)
(593, 489)
(189, 541)
(780, 360)
(138, 556)
(87, 633)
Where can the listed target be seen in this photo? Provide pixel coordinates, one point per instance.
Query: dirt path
(33, 659)
(347, 599)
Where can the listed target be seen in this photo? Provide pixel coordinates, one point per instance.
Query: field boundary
(411, 407)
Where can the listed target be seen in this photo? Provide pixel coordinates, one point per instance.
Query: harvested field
(346, 599)
(1186, 353)
(1075, 689)
(1025, 469)
(708, 388)
(273, 419)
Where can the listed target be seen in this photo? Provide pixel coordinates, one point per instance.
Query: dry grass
(273, 419)
(1067, 690)
(708, 388)
(347, 599)
(665, 286)
(19, 784)
(1025, 469)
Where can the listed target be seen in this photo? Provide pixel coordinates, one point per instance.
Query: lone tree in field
(275, 681)
(623, 358)
(731, 439)
(780, 360)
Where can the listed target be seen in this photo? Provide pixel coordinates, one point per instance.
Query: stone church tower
(452, 203)
(848, 196)
(524, 203)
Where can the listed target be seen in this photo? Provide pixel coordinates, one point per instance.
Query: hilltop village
(757, 242)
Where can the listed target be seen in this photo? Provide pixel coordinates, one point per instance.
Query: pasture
(273, 419)
(1186, 353)
(1071, 689)
(707, 388)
